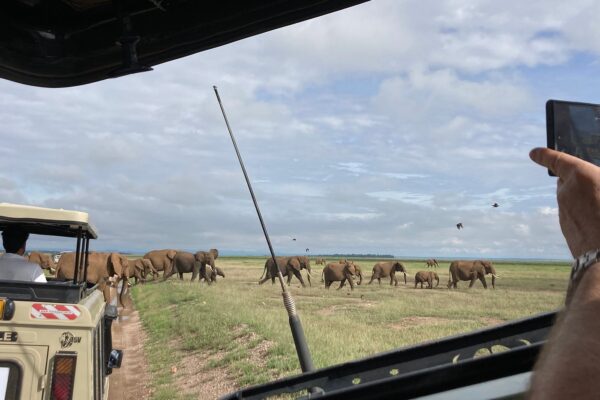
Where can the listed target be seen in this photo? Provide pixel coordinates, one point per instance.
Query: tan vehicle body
(59, 335)
(38, 340)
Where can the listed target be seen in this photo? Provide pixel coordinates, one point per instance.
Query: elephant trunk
(124, 284)
(213, 273)
(405, 278)
(308, 273)
(437, 278)
(263, 273)
(359, 277)
(493, 278)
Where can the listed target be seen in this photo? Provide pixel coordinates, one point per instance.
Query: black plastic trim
(401, 373)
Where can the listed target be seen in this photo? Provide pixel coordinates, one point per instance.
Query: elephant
(138, 269)
(184, 262)
(45, 261)
(384, 269)
(102, 267)
(201, 263)
(288, 266)
(432, 262)
(208, 258)
(209, 275)
(320, 261)
(358, 271)
(426, 276)
(339, 272)
(162, 260)
(471, 271)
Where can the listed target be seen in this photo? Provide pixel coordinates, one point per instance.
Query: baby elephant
(339, 272)
(426, 276)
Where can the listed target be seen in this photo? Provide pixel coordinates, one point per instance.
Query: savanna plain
(205, 341)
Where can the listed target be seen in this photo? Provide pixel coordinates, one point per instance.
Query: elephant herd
(346, 271)
(108, 269)
(105, 269)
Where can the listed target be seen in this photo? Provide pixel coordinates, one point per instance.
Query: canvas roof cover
(46, 221)
(58, 43)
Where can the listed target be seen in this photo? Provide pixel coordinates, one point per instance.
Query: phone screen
(574, 128)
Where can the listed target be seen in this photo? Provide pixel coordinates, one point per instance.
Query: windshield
(387, 131)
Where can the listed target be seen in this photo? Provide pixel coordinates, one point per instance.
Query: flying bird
(459, 226)
(307, 249)
(495, 205)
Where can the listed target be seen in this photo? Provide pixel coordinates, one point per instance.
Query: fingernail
(534, 153)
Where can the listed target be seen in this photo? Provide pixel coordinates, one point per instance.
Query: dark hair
(14, 238)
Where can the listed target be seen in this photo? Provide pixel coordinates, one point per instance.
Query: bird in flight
(459, 226)
(495, 205)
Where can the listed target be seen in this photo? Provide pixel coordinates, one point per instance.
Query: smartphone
(574, 128)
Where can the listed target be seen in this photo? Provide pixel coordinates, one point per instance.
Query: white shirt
(14, 267)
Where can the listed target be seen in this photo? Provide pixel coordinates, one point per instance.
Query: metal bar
(77, 251)
(295, 325)
(85, 255)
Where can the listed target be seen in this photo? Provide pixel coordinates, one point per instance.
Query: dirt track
(129, 381)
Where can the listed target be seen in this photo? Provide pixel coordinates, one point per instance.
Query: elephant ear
(349, 268)
(215, 253)
(117, 265)
(294, 263)
(171, 254)
(140, 264)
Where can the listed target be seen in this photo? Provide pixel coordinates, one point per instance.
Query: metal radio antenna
(297, 332)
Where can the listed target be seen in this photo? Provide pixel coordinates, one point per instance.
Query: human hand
(578, 195)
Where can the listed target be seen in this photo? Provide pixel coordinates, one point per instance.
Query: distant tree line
(356, 255)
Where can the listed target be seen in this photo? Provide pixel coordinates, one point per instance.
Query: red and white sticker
(54, 311)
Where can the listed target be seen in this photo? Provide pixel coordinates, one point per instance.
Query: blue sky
(372, 130)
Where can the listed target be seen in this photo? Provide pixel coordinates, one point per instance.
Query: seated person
(13, 266)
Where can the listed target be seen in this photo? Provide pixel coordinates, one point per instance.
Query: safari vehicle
(59, 43)
(55, 337)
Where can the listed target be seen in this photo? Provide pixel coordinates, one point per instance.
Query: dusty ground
(193, 376)
(129, 381)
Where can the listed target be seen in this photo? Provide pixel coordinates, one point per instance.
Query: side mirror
(115, 358)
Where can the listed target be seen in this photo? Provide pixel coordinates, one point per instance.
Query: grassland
(241, 329)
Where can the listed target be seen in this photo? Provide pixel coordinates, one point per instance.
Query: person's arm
(38, 275)
(569, 366)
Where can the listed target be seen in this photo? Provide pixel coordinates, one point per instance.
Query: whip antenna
(304, 357)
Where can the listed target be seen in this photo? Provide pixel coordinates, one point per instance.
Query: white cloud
(398, 175)
(522, 229)
(420, 199)
(411, 116)
(354, 168)
(351, 216)
(548, 211)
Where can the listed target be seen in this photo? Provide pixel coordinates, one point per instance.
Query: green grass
(339, 325)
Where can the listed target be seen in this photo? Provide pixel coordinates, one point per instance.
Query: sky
(375, 129)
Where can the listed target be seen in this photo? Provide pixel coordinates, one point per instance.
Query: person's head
(14, 239)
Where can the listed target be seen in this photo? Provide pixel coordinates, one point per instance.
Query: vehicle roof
(46, 221)
(63, 43)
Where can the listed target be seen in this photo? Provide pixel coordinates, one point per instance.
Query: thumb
(556, 161)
